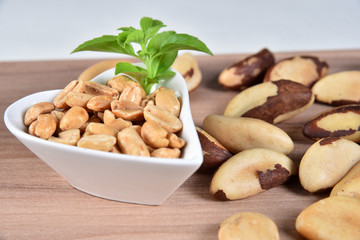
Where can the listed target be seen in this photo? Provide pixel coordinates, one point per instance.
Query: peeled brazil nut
(302, 69)
(272, 102)
(187, 65)
(338, 89)
(251, 172)
(240, 133)
(214, 153)
(342, 121)
(326, 162)
(332, 218)
(248, 225)
(248, 71)
(349, 185)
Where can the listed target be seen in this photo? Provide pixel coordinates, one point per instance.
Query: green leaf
(106, 43)
(136, 36)
(163, 62)
(158, 41)
(178, 42)
(124, 67)
(150, 26)
(165, 75)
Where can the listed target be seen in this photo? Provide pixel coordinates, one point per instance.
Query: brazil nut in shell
(343, 121)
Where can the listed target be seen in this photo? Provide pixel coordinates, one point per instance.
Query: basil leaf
(136, 36)
(106, 43)
(150, 26)
(123, 67)
(158, 41)
(164, 61)
(165, 75)
(178, 42)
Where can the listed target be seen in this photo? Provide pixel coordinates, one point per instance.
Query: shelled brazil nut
(248, 71)
(251, 172)
(338, 89)
(331, 218)
(240, 133)
(342, 121)
(302, 69)
(272, 102)
(349, 185)
(326, 162)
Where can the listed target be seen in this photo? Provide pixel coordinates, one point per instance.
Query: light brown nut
(74, 98)
(94, 88)
(175, 141)
(187, 65)
(248, 225)
(326, 162)
(272, 102)
(46, 125)
(342, 121)
(32, 127)
(239, 133)
(349, 185)
(74, 118)
(248, 71)
(132, 94)
(35, 110)
(117, 123)
(166, 98)
(251, 172)
(69, 137)
(58, 114)
(163, 118)
(338, 89)
(100, 129)
(59, 99)
(99, 103)
(166, 153)
(302, 69)
(154, 135)
(331, 218)
(120, 82)
(214, 153)
(131, 143)
(97, 68)
(92, 119)
(127, 110)
(97, 142)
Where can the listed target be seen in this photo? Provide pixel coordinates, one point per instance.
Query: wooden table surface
(36, 203)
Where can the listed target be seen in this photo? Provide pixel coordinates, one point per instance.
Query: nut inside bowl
(115, 176)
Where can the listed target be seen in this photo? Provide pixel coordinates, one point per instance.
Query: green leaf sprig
(157, 51)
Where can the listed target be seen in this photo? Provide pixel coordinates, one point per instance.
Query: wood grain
(36, 203)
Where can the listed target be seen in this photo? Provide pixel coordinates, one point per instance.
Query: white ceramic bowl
(120, 177)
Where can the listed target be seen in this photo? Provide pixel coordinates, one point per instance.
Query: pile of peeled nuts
(247, 152)
(117, 117)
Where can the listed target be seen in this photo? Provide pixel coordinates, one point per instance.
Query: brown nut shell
(331, 218)
(214, 153)
(326, 162)
(302, 69)
(338, 89)
(272, 102)
(251, 172)
(342, 121)
(239, 133)
(187, 65)
(248, 225)
(248, 71)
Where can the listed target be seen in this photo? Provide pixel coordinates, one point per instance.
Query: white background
(47, 29)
